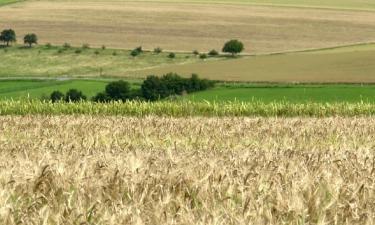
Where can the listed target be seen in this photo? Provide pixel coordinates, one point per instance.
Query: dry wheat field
(184, 26)
(194, 170)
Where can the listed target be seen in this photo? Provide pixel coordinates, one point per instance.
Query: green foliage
(57, 96)
(203, 56)
(8, 36)
(78, 51)
(156, 88)
(66, 45)
(188, 109)
(213, 52)
(233, 47)
(195, 52)
(158, 50)
(134, 53)
(96, 52)
(85, 46)
(48, 45)
(30, 39)
(73, 95)
(104, 47)
(172, 55)
(118, 90)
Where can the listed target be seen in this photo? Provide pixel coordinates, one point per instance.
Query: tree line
(233, 47)
(153, 88)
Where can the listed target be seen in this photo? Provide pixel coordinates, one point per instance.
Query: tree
(152, 88)
(73, 95)
(118, 90)
(8, 36)
(57, 96)
(101, 97)
(233, 47)
(30, 39)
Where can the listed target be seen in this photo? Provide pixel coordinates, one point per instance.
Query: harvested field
(155, 170)
(170, 25)
(333, 66)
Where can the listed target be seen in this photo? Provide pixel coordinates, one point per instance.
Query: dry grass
(154, 170)
(333, 66)
(124, 24)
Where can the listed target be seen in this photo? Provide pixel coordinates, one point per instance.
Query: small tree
(118, 90)
(233, 47)
(213, 52)
(73, 95)
(8, 36)
(172, 55)
(57, 96)
(30, 39)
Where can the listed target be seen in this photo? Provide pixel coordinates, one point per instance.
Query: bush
(139, 49)
(213, 52)
(118, 90)
(114, 53)
(78, 51)
(134, 53)
(96, 52)
(158, 50)
(104, 47)
(66, 45)
(85, 46)
(233, 47)
(195, 52)
(101, 97)
(57, 96)
(73, 95)
(203, 56)
(155, 88)
(172, 55)
(60, 51)
(48, 45)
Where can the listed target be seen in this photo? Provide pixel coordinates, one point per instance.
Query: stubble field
(159, 170)
(183, 26)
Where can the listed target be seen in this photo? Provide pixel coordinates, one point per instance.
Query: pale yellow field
(155, 170)
(184, 27)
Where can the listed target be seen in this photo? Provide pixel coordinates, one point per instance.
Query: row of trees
(153, 88)
(233, 47)
(8, 36)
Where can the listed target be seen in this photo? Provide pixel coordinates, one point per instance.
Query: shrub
(73, 95)
(139, 49)
(48, 45)
(30, 39)
(213, 52)
(195, 52)
(104, 47)
(8, 36)
(118, 90)
(172, 55)
(60, 51)
(96, 52)
(101, 97)
(134, 53)
(155, 88)
(203, 56)
(66, 45)
(114, 53)
(57, 96)
(233, 47)
(85, 46)
(158, 50)
(78, 51)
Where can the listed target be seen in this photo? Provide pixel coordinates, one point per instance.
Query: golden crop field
(160, 170)
(184, 26)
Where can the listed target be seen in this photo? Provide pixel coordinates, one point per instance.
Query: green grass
(6, 2)
(42, 61)
(242, 92)
(187, 109)
(38, 89)
(290, 93)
